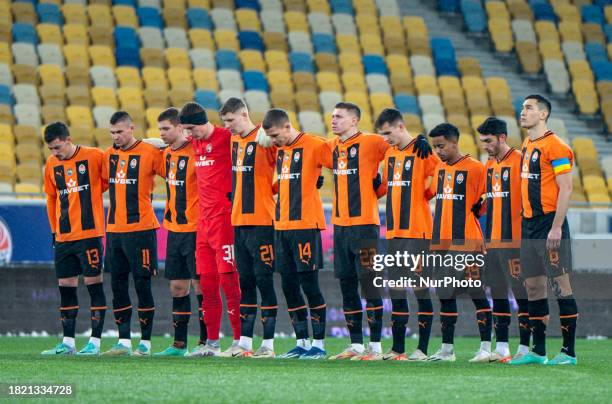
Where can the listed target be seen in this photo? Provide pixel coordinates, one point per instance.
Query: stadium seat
(208, 99)
(301, 62)
(199, 18)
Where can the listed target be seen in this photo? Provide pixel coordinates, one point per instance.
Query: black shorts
(180, 256)
(134, 252)
(254, 248)
(464, 267)
(536, 259)
(298, 250)
(79, 257)
(354, 249)
(503, 269)
(414, 247)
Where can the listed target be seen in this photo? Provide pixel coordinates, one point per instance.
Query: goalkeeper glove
(477, 206)
(377, 181)
(422, 147)
(262, 139)
(154, 141)
(320, 181)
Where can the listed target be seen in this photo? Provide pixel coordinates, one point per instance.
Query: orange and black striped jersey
(405, 180)
(74, 189)
(130, 174)
(298, 167)
(457, 187)
(182, 209)
(503, 192)
(355, 164)
(543, 159)
(252, 173)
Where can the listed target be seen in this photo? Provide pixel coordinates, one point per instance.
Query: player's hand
(262, 139)
(553, 241)
(421, 147)
(377, 181)
(157, 142)
(229, 196)
(320, 181)
(476, 207)
(53, 240)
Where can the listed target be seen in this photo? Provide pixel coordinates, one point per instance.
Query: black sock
(374, 312)
(354, 324)
(146, 306)
(181, 312)
(424, 318)
(568, 314)
(484, 318)
(353, 311)
(69, 309)
(318, 316)
(122, 306)
(502, 317)
(523, 322)
(538, 310)
(98, 308)
(299, 321)
(248, 313)
(203, 331)
(448, 319)
(399, 318)
(309, 282)
(268, 321)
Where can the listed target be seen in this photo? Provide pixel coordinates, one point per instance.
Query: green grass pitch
(215, 380)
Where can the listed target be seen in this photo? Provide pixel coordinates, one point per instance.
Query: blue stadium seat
(342, 6)
(592, 14)
(227, 59)
(407, 104)
(603, 3)
(49, 13)
(207, 99)
(518, 106)
(131, 3)
(374, 64)
(301, 62)
(474, 15)
(595, 52)
(127, 46)
(150, 17)
(448, 6)
(252, 4)
(199, 18)
(544, 11)
(5, 95)
(251, 40)
(602, 70)
(608, 32)
(324, 43)
(444, 57)
(24, 32)
(254, 80)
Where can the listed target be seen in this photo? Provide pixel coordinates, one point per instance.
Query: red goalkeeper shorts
(215, 245)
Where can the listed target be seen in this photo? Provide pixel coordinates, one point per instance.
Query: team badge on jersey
(505, 176)
(133, 163)
(534, 156)
(353, 152)
(82, 169)
(459, 178)
(209, 148)
(182, 165)
(69, 172)
(296, 157)
(250, 149)
(408, 165)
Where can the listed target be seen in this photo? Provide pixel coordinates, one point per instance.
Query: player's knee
(536, 287)
(143, 290)
(350, 292)
(561, 286)
(179, 288)
(91, 280)
(72, 282)
(195, 284)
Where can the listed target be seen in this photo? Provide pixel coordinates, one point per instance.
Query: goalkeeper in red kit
(215, 236)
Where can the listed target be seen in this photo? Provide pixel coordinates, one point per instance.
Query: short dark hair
(543, 103)
(390, 116)
(493, 126)
(56, 130)
(232, 105)
(191, 108)
(275, 118)
(171, 114)
(349, 106)
(448, 130)
(120, 116)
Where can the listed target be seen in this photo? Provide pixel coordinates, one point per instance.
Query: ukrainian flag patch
(561, 165)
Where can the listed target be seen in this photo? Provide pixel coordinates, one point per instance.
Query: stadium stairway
(451, 27)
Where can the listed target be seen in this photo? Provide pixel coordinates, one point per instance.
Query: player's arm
(564, 182)
(51, 192)
(325, 154)
(382, 188)
(104, 170)
(479, 207)
(158, 163)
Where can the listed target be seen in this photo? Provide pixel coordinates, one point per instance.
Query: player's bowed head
(194, 121)
(278, 128)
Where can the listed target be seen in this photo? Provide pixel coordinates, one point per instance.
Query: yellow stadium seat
(155, 77)
(128, 76)
(391, 26)
(226, 39)
(280, 79)
(275, 41)
(586, 96)
(354, 81)
(152, 57)
(497, 9)
(426, 85)
(307, 101)
(76, 34)
(282, 98)
(201, 38)
(371, 44)
(419, 46)
(102, 56)
(413, 123)
(449, 84)
(125, 16)
(348, 44)
(469, 66)
(360, 98)
(75, 14)
(365, 7)
(25, 190)
(498, 87)
(27, 151)
(318, 6)
(295, 5)
(252, 60)
(501, 34)
(277, 60)
(402, 82)
(104, 96)
(50, 33)
(82, 136)
(415, 27)
(180, 79)
(174, 14)
(6, 134)
(550, 50)
(25, 74)
(26, 134)
(205, 79)
(79, 95)
(101, 35)
(568, 12)
(100, 14)
(76, 56)
(304, 82)
(367, 24)
(328, 81)
(296, 21)
(584, 147)
(247, 19)
(6, 114)
(24, 12)
(529, 57)
(592, 32)
(51, 74)
(570, 31)
(151, 115)
(398, 63)
(326, 62)
(380, 101)
(53, 113)
(130, 97)
(52, 94)
(6, 56)
(178, 57)
(546, 30)
(350, 62)
(580, 70)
